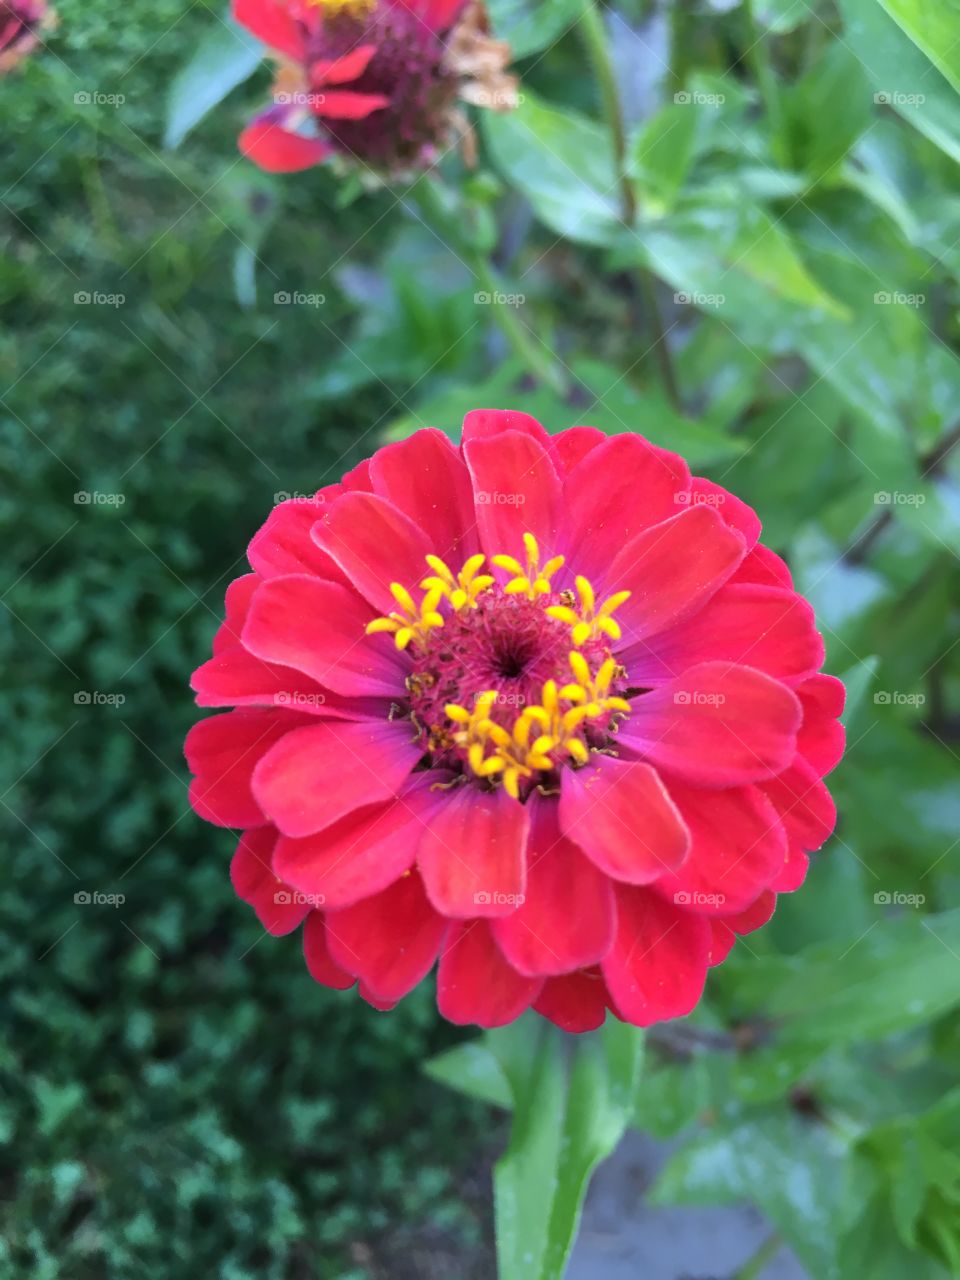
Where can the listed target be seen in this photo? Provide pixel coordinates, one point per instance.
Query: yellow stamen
(530, 580)
(463, 589)
(355, 8)
(412, 622)
(589, 621)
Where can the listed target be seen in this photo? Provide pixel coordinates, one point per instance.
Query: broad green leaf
(473, 1069)
(563, 163)
(572, 1103)
(662, 152)
(529, 26)
(226, 57)
(902, 78)
(827, 110)
(934, 26)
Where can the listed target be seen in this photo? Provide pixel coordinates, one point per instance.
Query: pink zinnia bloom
(375, 81)
(538, 708)
(20, 20)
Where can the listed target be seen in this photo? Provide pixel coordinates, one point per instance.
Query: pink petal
(793, 872)
(822, 737)
(390, 941)
(622, 817)
(621, 487)
(763, 627)
(805, 805)
(279, 908)
(438, 15)
(765, 567)
(362, 853)
(375, 544)
(755, 916)
(672, 569)
(236, 605)
(222, 752)
(487, 424)
(235, 678)
(566, 920)
(426, 478)
(473, 852)
(718, 725)
(318, 628)
(576, 1002)
(723, 940)
(573, 445)
(283, 545)
(657, 965)
(339, 70)
(319, 965)
(320, 773)
(735, 512)
(516, 490)
(738, 846)
(272, 23)
(345, 104)
(475, 984)
(277, 150)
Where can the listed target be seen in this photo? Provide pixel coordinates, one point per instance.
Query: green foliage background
(177, 1095)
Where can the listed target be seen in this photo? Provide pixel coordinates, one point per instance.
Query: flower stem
(757, 57)
(437, 212)
(598, 48)
(754, 1265)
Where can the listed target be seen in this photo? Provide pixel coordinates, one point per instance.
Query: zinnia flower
(538, 708)
(20, 20)
(376, 81)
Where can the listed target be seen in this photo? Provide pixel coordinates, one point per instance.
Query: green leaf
(662, 152)
(529, 26)
(901, 76)
(934, 26)
(226, 57)
(780, 16)
(572, 1102)
(473, 1069)
(563, 163)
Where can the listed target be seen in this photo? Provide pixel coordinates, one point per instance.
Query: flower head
(538, 709)
(375, 81)
(20, 21)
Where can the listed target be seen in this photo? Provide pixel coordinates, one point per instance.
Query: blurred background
(187, 341)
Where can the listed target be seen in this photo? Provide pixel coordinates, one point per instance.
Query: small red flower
(540, 707)
(371, 80)
(20, 21)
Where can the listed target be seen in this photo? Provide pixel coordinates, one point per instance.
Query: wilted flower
(20, 20)
(375, 81)
(540, 708)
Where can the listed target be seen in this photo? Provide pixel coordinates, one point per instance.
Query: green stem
(442, 218)
(757, 57)
(598, 50)
(755, 1264)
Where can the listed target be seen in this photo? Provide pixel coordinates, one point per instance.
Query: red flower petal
(657, 965)
(283, 544)
(475, 984)
(236, 606)
(222, 752)
(235, 678)
(516, 490)
(473, 853)
(318, 628)
(279, 909)
(722, 943)
(822, 737)
(345, 104)
(487, 424)
(718, 725)
(374, 544)
(360, 854)
(763, 627)
(566, 920)
(389, 941)
(738, 845)
(576, 1002)
(622, 817)
(339, 70)
(272, 23)
(672, 569)
(806, 807)
(754, 917)
(621, 487)
(438, 15)
(734, 512)
(573, 445)
(319, 965)
(277, 150)
(427, 479)
(763, 566)
(320, 773)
